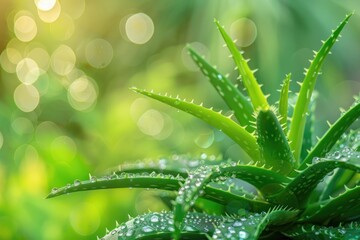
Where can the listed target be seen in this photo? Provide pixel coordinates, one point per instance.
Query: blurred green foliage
(66, 110)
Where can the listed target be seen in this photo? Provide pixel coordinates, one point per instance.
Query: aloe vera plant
(303, 190)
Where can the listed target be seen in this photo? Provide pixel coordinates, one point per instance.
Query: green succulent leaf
(296, 193)
(236, 132)
(188, 193)
(217, 192)
(314, 232)
(236, 101)
(298, 119)
(283, 102)
(273, 144)
(160, 226)
(334, 133)
(346, 150)
(308, 131)
(251, 227)
(175, 165)
(334, 209)
(123, 180)
(228, 192)
(265, 180)
(257, 97)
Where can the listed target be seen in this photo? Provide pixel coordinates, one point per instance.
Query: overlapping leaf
(298, 119)
(161, 226)
(250, 227)
(256, 95)
(273, 144)
(334, 133)
(298, 190)
(238, 133)
(236, 101)
(314, 232)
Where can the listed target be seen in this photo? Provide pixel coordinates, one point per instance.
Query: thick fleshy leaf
(298, 190)
(123, 180)
(160, 226)
(334, 133)
(314, 232)
(250, 227)
(265, 180)
(175, 165)
(236, 132)
(232, 192)
(188, 193)
(273, 144)
(297, 125)
(217, 192)
(334, 210)
(284, 101)
(256, 95)
(309, 130)
(347, 149)
(243, 110)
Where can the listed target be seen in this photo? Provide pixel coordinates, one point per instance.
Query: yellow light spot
(99, 53)
(9, 58)
(63, 60)
(63, 28)
(85, 217)
(74, 8)
(139, 28)
(32, 171)
(63, 148)
(45, 5)
(26, 97)
(27, 71)
(82, 94)
(151, 122)
(244, 31)
(41, 57)
(50, 15)
(25, 28)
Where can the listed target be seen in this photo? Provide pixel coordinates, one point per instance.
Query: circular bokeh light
(99, 53)
(139, 28)
(25, 28)
(244, 31)
(26, 97)
(63, 60)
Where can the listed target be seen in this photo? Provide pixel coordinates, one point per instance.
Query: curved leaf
(314, 232)
(308, 131)
(188, 193)
(198, 179)
(236, 132)
(217, 192)
(232, 96)
(257, 97)
(160, 226)
(334, 209)
(251, 227)
(296, 193)
(175, 165)
(333, 134)
(297, 125)
(284, 101)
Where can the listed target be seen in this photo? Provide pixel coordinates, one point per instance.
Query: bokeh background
(66, 109)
